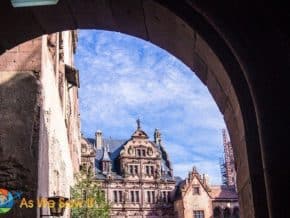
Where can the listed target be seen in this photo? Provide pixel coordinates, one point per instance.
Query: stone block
(213, 63)
(31, 45)
(217, 92)
(243, 173)
(246, 199)
(169, 32)
(20, 60)
(199, 67)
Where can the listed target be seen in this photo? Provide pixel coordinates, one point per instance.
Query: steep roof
(220, 192)
(114, 148)
(216, 192)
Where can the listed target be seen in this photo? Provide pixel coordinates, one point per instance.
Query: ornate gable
(139, 146)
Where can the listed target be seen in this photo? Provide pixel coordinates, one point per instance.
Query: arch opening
(195, 42)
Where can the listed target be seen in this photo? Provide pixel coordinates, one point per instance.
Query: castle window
(198, 214)
(136, 169)
(137, 196)
(196, 190)
(153, 197)
(134, 196)
(138, 152)
(150, 196)
(149, 170)
(117, 196)
(133, 169)
(165, 196)
(120, 196)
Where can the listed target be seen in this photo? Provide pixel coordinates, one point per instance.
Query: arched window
(217, 212)
(227, 212)
(236, 212)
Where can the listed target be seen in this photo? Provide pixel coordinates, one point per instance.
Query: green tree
(91, 199)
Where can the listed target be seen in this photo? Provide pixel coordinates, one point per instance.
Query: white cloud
(123, 78)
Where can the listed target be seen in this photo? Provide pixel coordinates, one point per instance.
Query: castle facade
(137, 179)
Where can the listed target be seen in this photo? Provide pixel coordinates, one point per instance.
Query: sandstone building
(136, 175)
(137, 178)
(195, 197)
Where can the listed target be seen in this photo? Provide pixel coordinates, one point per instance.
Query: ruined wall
(69, 39)
(19, 121)
(39, 121)
(57, 133)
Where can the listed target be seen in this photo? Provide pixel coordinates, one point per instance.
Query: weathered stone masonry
(39, 119)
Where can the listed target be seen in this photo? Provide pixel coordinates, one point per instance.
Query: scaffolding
(227, 162)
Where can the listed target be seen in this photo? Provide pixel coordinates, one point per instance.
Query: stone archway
(204, 37)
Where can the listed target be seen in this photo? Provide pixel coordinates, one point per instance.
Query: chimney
(99, 139)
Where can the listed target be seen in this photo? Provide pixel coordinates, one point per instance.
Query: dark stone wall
(19, 122)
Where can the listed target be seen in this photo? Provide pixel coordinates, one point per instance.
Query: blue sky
(124, 78)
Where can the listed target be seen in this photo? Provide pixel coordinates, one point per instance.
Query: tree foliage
(90, 201)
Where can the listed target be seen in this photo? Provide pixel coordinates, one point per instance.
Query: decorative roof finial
(138, 124)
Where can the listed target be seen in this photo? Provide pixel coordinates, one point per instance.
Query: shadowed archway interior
(229, 52)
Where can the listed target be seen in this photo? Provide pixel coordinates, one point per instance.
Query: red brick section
(24, 57)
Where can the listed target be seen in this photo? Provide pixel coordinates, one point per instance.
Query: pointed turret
(106, 160)
(157, 137)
